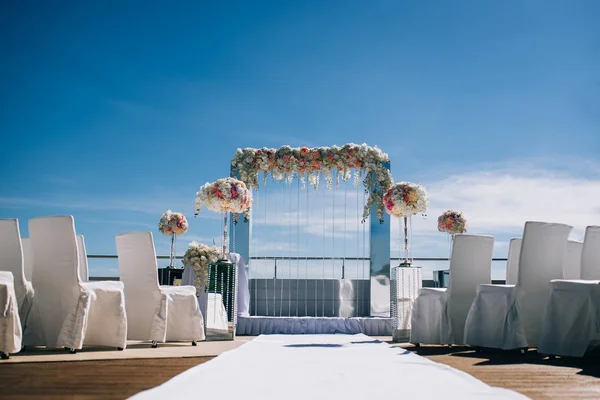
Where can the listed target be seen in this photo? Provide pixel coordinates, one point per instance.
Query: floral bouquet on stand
(172, 224)
(227, 195)
(452, 222)
(199, 256)
(403, 200)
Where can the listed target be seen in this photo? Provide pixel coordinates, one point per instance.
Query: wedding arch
(365, 166)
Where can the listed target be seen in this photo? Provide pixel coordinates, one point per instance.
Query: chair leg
(4, 356)
(194, 343)
(154, 344)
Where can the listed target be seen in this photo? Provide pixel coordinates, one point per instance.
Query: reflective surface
(219, 301)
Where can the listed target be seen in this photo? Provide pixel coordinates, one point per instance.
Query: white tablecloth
(243, 291)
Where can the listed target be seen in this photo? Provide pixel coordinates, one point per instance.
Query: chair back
(590, 255)
(83, 261)
(27, 258)
(512, 264)
(572, 260)
(470, 266)
(55, 275)
(11, 253)
(541, 260)
(139, 273)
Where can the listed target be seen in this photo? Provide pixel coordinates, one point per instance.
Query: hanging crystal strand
(289, 313)
(306, 260)
(297, 245)
(345, 228)
(357, 240)
(363, 312)
(172, 256)
(323, 268)
(405, 241)
(225, 229)
(222, 231)
(410, 252)
(276, 208)
(337, 177)
(400, 241)
(281, 281)
(264, 264)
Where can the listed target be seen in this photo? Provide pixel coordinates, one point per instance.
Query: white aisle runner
(307, 367)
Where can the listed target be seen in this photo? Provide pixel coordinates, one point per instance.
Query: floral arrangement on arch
(310, 163)
(405, 199)
(452, 222)
(199, 256)
(225, 195)
(172, 223)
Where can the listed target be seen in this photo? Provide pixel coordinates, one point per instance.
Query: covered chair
(439, 314)
(11, 259)
(572, 323)
(156, 313)
(510, 316)
(68, 312)
(512, 263)
(10, 323)
(572, 260)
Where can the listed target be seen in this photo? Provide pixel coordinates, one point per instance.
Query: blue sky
(116, 112)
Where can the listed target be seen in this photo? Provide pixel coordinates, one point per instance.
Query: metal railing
(275, 259)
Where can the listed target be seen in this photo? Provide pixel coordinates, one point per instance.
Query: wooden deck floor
(532, 375)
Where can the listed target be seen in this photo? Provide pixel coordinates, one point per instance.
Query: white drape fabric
(67, 312)
(10, 323)
(572, 323)
(83, 262)
(158, 313)
(254, 326)
(572, 260)
(512, 264)
(319, 367)
(11, 259)
(510, 317)
(439, 314)
(27, 258)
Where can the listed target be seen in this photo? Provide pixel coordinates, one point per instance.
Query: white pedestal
(406, 282)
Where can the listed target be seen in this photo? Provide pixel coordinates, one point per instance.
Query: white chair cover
(11, 259)
(439, 315)
(27, 258)
(10, 324)
(572, 323)
(158, 313)
(572, 260)
(82, 261)
(510, 317)
(512, 264)
(67, 312)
